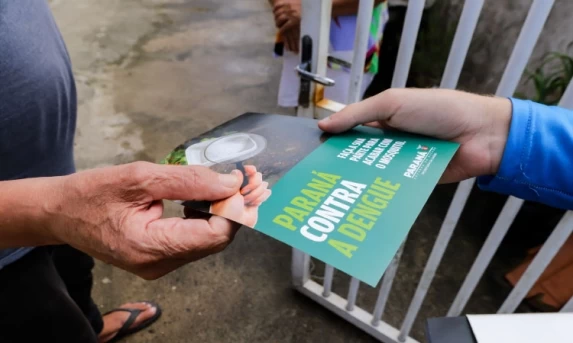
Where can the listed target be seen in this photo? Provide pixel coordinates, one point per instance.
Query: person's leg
(75, 270)
(289, 85)
(35, 305)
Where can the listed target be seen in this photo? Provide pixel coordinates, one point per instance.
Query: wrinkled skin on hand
(115, 215)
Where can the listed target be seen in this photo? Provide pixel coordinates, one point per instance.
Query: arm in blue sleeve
(538, 159)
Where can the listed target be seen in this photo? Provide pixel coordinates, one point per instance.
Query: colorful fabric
(342, 34)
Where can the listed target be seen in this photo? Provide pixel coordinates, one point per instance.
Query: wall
(496, 33)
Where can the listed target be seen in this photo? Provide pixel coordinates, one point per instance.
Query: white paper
(523, 328)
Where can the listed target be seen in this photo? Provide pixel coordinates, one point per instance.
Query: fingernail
(229, 180)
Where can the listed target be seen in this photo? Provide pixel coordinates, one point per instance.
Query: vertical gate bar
(399, 78)
(461, 43)
(538, 13)
(327, 284)
(502, 224)
(352, 293)
(315, 22)
(386, 286)
(448, 226)
(542, 259)
(363, 20)
(316, 16)
(300, 267)
(567, 97)
(568, 307)
(407, 42)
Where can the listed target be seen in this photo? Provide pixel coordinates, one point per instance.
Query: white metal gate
(316, 16)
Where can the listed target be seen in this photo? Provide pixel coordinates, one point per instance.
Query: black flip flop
(126, 328)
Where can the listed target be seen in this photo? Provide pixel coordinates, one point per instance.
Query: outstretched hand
(479, 123)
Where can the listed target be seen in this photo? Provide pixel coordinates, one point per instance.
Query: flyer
(348, 200)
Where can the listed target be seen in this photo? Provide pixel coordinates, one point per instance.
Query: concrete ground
(152, 73)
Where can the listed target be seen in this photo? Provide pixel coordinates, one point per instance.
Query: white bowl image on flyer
(233, 148)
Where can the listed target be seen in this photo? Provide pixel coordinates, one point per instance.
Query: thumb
(192, 183)
(380, 107)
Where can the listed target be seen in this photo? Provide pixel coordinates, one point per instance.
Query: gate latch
(303, 72)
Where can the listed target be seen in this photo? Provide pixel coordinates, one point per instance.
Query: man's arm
(115, 214)
(537, 163)
(25, 207)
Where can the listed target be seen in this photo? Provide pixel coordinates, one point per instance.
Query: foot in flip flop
(128, 319)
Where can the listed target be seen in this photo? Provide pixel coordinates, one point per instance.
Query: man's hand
(479, 123)
(287, 20)
(287, 14)
(114, 214)
(291, 39)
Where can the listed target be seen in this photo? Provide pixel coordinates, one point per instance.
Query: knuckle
(393, 97)
(199, 178)
(393, 100)
(138, 171)
(192, 179)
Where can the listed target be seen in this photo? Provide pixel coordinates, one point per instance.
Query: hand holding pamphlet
(347, 199)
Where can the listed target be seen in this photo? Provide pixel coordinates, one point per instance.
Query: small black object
(449, 330)
(305, 59)
(245, 177)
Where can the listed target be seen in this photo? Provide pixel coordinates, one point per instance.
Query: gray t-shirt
(37, 98)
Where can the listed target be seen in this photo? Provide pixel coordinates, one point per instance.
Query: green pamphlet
(347, 199)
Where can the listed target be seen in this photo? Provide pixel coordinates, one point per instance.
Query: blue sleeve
(537, 163)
